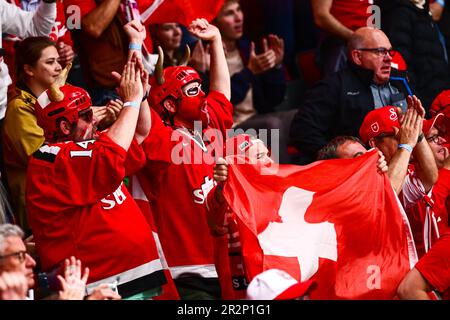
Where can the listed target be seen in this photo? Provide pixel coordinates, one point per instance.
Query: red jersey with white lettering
(351, 13)
(177, 179)
(77, 205)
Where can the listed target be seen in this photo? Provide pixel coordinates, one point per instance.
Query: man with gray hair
(14, 261)
(338, 103)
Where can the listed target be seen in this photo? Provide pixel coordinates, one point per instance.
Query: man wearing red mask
(180, 160)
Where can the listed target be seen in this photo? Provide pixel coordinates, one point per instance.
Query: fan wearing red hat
(398, 141)
(77, 203)
(180, 157)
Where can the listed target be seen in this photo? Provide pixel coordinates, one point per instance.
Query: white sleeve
(27, 24)
(412, 191)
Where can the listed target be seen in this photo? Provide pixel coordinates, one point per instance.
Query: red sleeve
(435, 265)
(135, 159)
(441, 197)
(82, 173)
(61, 18)
(220, 111)
(85, 6)
(158, 145)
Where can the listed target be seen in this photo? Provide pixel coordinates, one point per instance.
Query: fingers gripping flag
(336, 221)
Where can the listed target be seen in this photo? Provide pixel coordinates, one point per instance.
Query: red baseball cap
(398, 62)
(441, 104)
(428, 124)
(379, 121)
(275, 284)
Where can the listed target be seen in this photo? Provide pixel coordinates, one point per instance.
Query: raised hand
(260, 63)
(203, 30)
(73, 283)
(277, 45)
(411, 128)
(135, 31)
(130, 88)
(66, 54)
(200, 58)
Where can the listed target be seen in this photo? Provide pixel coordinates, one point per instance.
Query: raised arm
(27, 24)
(131, 92)
(427, 170)
(219, 73)
(96, 21)
(326, 21)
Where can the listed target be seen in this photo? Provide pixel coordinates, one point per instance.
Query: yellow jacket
(21, 138)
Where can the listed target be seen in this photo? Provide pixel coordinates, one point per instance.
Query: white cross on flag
(335, 221)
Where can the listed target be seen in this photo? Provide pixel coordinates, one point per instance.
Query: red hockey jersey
(77, 205)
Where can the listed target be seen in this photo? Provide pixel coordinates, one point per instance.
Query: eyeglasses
(86, 114)
(381, 52)
(21, 255)
(192, 89)
(435, 139)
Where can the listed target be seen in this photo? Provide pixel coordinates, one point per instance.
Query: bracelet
(145, 96)
(421, 136)
(405, 146)
(441, 3)
(133, 104)
(135, 46)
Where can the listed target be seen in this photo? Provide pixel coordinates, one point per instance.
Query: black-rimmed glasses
(21, 255)
(382, 52)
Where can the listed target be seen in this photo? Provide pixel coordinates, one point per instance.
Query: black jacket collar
(365, 75)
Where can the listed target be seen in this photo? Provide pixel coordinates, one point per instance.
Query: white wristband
(133, 104)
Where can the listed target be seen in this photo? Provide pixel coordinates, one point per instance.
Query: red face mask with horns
(176, 91)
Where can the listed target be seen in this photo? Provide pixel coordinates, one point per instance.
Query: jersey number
(84, 145)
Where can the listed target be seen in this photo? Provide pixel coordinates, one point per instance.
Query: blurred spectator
(101, 44)
(15, 259)
(442, 105)
(275, 284)
(168, 37)
(342, 147)
(23, 24)
(258, 82)
(257, 79)
(413, 33)
(37, 67)
(338, 104)
(338, 19)
(59, 34)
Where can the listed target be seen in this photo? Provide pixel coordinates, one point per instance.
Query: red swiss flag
(335, 221)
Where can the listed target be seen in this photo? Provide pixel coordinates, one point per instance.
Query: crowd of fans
(94, 204)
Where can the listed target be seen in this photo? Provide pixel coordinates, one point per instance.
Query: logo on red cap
(375, 127)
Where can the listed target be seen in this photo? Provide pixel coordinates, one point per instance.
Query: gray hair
(9, 230)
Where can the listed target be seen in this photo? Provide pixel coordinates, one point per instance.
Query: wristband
(133, 104)
(441, 3)
(135, 46)
(405, 146)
